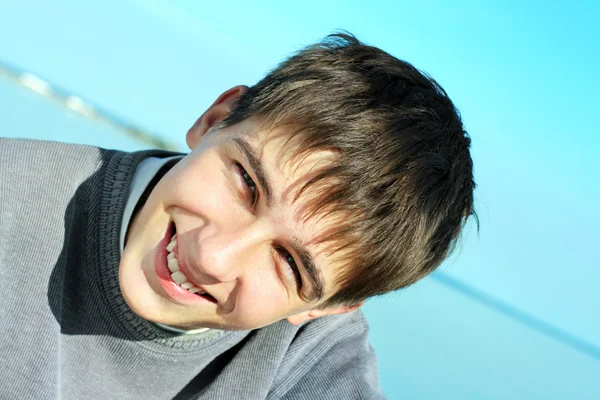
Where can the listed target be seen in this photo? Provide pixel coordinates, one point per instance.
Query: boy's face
(240, 238)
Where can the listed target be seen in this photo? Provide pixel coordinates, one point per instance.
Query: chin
(136, 296)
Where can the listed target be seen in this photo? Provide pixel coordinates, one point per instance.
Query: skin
(233, 248)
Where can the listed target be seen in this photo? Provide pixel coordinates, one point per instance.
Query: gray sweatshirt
(67, 333)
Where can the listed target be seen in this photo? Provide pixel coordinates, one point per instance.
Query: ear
(304, 316)
(215, 114)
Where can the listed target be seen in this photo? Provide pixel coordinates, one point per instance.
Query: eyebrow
(314, 276)
(256, 165)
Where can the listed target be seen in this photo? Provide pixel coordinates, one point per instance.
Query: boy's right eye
(249, 185)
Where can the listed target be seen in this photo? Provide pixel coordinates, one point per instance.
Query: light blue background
(513, 314)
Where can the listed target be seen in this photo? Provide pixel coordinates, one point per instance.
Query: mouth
(177, 275)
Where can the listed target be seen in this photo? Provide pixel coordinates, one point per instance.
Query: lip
(175, 292)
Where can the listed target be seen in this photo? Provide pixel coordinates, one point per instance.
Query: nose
(225, 254)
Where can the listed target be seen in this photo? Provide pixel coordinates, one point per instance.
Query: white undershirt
(144, 173)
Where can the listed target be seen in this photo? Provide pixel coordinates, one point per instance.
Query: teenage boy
(237, 270)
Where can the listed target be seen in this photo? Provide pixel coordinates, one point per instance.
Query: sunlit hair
(401, 188)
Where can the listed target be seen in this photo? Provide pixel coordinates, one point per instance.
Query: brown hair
(402, 187)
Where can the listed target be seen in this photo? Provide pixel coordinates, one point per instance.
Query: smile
(178, 276)
(172, 277)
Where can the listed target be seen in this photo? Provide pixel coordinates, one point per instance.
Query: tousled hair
(401, 189)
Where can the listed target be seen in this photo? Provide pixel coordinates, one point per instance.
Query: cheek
(263, 299)
(200, 186)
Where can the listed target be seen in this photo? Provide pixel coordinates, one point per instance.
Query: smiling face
(223, 223)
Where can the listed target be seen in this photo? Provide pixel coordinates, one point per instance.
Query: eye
(292, 271)
(249, 184)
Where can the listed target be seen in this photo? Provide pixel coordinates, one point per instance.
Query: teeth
(171, 245)
(173, 265)
(177, 276)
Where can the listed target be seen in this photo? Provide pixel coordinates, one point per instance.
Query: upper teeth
(177, 276)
